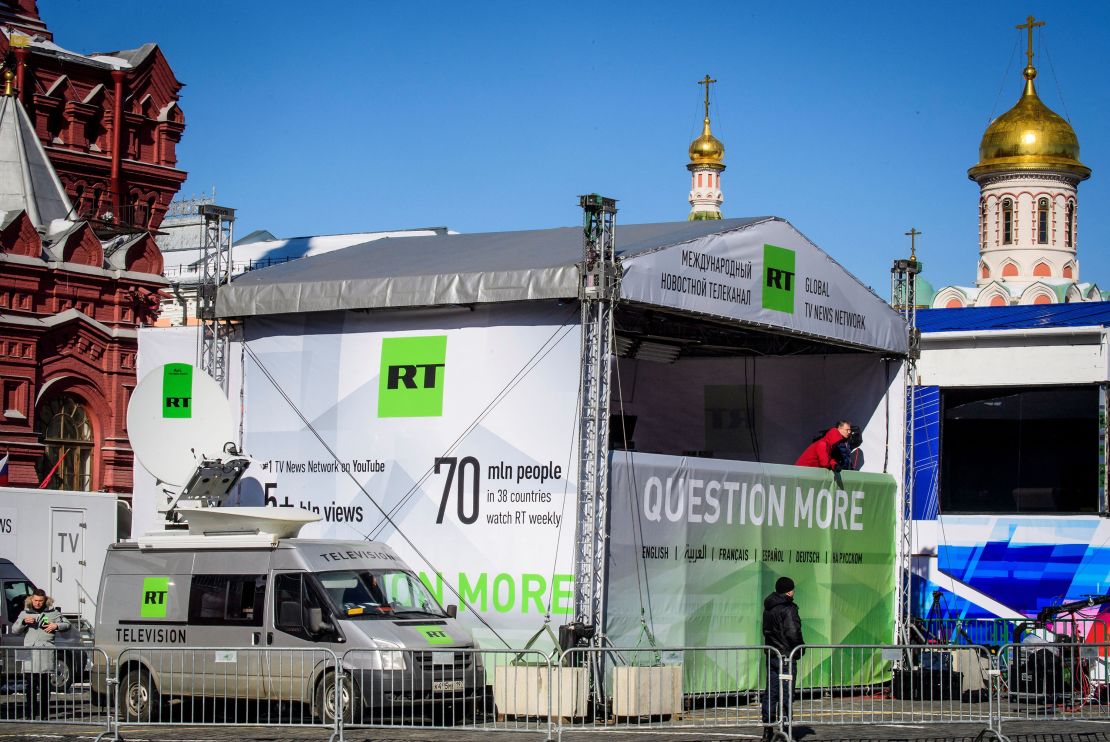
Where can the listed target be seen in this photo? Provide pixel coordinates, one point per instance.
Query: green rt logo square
(410, 382)
(153, 603)
(778, 279)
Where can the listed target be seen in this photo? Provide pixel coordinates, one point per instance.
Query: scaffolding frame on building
(212, 340)
(903, 298)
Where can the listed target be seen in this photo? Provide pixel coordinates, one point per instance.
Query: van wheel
(325, 698)
(138, 697)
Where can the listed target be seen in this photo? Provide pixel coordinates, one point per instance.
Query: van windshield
(378, 593)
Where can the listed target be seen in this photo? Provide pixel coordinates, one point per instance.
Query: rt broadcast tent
(424, 392)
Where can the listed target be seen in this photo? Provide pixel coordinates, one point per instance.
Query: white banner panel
(460, 424)
(768, 274)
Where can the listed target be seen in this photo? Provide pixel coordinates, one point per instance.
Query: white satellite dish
(177, 415)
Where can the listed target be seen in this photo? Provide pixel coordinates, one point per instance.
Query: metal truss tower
(212, 342)
(598, 293)
(903, 298)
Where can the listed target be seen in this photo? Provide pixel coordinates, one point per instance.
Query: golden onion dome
(707, 149)
(1030, 136)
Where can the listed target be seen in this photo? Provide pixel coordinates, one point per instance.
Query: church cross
(706, 82)
(1030, 24)
(913, 234)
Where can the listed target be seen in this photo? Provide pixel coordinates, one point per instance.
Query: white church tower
(1028, 175)
(707, 156)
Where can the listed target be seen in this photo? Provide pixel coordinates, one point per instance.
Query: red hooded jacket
(819, 453)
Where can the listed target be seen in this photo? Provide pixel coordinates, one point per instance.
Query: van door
(67, 560)
(298, 655)
(226, 611)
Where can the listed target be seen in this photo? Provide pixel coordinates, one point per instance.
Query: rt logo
(154, 597)
(778, 279)
(412, 376)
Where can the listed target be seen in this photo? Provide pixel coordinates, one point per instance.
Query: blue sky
(854, 121)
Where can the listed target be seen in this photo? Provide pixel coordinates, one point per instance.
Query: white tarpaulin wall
(493, 396)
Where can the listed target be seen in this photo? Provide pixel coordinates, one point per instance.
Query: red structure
(110, 122)
(95, 170)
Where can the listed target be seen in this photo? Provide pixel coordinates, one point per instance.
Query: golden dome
(1030, 136)
(707, 149)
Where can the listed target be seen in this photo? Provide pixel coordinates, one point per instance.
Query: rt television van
(257, 618)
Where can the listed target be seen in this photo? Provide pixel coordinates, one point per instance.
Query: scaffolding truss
(903, 298)
(598, 293)
(212, 341)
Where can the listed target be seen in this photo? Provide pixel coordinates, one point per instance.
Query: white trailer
(59, 540)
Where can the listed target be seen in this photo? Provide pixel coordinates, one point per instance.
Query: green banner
(697, 544)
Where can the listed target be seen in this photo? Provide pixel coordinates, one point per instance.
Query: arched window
(997, 301)
(1042, 270)
(1009, 270)
(953, 303)
(1069, 219)
(982, 224)
(1007, 222)
(67, 434)
(1069, 271)
(1042, 299)
(984, 271)
(1042, 222)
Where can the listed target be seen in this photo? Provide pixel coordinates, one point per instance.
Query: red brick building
(87, 169)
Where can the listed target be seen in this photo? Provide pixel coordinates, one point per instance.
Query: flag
(4, 471)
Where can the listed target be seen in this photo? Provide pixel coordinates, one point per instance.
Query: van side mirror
(316, 622)
(452, 611)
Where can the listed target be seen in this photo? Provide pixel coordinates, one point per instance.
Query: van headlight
(387, 656)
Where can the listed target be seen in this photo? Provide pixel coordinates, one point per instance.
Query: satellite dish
(280, 522)
(176, 415)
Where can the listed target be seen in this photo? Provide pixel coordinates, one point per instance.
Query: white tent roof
(543, 264)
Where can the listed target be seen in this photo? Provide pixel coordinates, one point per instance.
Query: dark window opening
(1018, 450)
(227, 600)
(1042, 222)
(294, 596)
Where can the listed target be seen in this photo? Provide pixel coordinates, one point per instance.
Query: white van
(281, 600)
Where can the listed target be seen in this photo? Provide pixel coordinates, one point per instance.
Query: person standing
(782, 631)
(820, 452)
(40, 623)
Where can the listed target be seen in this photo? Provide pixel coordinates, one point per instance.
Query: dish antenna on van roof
(181, 430)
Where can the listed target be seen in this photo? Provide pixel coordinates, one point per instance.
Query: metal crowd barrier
(1060, 681)
(45, 685)
(494, 690)
(677, 689)
(218, 686)
(893, 685)
(666, 689)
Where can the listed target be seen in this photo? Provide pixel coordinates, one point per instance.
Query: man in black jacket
(782, 631)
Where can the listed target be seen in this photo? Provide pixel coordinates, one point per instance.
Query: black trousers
(36, 695)
(776, 668)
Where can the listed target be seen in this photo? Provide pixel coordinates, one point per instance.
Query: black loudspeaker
(930, 677)
(573, 635)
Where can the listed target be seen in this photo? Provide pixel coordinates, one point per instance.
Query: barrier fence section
(50, 685)
(667, 688)
(494, 690)
(1062, 680)
(585, 689)
(219, 686)
(893, 684)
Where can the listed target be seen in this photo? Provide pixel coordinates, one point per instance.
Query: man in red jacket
(819, 453)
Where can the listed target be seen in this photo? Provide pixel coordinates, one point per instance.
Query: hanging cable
(1059, 88)
(1005, 76)
(575, 422)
